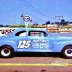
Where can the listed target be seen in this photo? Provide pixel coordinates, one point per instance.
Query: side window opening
(21, 33)
(37, 33)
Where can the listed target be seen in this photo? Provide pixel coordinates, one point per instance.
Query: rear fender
(10, 43)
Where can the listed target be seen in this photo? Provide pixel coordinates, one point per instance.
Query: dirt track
(47, 58)
(36, 58)
(35, 69)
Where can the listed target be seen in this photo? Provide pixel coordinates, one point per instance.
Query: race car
(34, 40)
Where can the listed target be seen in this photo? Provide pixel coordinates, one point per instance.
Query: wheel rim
(68, 52)
(5, 52)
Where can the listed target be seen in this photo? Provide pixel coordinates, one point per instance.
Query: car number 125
(24, 44)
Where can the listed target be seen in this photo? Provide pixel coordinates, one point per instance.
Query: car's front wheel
(6, 51)
(67, 52)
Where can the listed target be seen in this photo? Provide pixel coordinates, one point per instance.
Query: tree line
(62, 23)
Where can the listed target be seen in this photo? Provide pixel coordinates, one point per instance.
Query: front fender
(60, 45)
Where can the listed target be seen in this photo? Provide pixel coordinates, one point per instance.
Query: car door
(22, 42)
(40, 42)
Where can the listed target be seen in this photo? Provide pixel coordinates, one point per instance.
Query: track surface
(35, 69)
(29, 58)
(35, 58)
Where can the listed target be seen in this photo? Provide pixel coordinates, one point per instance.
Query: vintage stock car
(34, 40)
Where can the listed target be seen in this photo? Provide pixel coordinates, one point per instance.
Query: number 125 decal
(24, 44)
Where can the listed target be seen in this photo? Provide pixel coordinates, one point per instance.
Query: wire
(36, 10)
(33, 8)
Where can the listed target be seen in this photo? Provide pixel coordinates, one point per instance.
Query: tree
(1, 25)
(48, 22)
(63, 22)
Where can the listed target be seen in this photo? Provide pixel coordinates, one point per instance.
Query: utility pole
(59, 19)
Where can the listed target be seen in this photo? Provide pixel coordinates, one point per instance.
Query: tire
(6, 51)
(67, 52)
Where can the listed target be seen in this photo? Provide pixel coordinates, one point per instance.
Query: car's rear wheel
(6, 51)
(67, 52)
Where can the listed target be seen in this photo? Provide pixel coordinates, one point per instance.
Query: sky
(39, 11)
